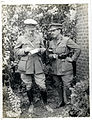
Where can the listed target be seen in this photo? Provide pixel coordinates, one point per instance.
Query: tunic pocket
(22, 65)
(66, 66)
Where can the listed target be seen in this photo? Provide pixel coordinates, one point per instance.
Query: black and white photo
(45, 60)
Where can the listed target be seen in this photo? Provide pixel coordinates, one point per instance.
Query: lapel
(59, 40)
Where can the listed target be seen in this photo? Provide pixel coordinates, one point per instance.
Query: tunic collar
(29, 38)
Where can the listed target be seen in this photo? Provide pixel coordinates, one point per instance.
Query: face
(30, 29)
(55, 33)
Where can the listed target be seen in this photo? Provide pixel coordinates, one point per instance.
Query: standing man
(30, 47)
(62, 69)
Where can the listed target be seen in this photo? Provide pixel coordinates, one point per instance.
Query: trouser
(67, 80)
(40, 81)
(62, 84)
(58, 84)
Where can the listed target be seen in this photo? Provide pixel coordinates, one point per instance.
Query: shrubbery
(80, 99)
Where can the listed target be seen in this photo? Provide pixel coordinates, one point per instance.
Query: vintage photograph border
(11, 2)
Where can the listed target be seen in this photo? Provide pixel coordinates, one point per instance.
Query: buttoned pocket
(66, 66)
(61, 49)
(22, 64)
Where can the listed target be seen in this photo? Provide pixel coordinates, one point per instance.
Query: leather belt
(62, 56)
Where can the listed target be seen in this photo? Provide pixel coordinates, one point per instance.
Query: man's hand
(69, 59)
(42, 50)
(55, 56)
(27, 50)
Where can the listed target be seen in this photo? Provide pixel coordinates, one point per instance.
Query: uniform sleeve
(42, 46)
(41, 42)
(71, 44)
(18, 50)
(50, 54)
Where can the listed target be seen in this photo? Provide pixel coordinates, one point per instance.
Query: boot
(61, 97)
(31, 108)
(44, 98)
(30, 97)
(58, 85)
(62, 104)
(67, 94)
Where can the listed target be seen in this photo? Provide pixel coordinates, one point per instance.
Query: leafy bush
(80, 99)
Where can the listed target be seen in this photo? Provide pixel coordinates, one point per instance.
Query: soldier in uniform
(62, 69)
(30, 47)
